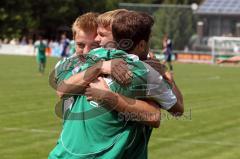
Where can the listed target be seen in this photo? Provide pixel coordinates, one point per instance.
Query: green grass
(29, 127)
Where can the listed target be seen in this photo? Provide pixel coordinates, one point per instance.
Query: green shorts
(41, 59)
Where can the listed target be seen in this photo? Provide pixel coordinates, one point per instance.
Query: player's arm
(151, 55)
(146, 112)
(78, 82)
(34, 50)
(178, 108)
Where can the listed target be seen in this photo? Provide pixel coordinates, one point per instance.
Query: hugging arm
(77, 83)
(146, 112)
(178, 108)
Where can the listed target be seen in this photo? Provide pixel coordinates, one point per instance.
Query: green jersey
(41, 47)
(67, 67)
(90, 129)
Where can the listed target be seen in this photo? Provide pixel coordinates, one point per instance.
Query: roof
(219, 7)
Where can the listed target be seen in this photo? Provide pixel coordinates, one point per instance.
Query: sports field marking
(216, 77)
(220, 143)
(25, 112)
(29, 130)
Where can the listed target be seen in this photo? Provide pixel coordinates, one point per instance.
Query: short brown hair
(132, 25)
(106, 19)
(86, 22)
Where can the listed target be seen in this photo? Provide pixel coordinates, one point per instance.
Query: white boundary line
(25, 112)
(190, 141)
(29, 130)
(220, 143)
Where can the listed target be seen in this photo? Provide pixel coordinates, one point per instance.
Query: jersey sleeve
(63, 70)
(159, 90)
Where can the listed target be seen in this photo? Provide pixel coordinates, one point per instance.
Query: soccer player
(40, 47)
(84, 33)
(167, 50)
(133, 30)
(64, 43)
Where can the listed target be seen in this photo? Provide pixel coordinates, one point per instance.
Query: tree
(177, 23)
(27, 17)
(15, 18)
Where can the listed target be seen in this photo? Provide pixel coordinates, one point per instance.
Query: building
(219, 18)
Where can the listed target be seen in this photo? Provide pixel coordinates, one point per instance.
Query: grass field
(211, 130)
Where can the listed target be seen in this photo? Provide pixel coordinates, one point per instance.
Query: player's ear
(142, 45)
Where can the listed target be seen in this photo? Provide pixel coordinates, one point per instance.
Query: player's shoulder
(96, 50)
(108, 53)
(36, 43)
(136, 66)
(152, 74)
(169, 41)
(98, 53)
(45, 42)
(133, 57)
(150, 69)
(65, 60)
(60, 62)
(135, 61)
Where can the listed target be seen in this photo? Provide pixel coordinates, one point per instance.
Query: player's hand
(169, 77)
(118, 69)
(154, 63)
(97, 90)
(59, 94)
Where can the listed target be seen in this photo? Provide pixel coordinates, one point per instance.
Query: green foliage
(14, 18)
(19, 17)
(178, 23)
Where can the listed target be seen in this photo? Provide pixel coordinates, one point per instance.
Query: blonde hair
(86, 22)
(106, 19)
